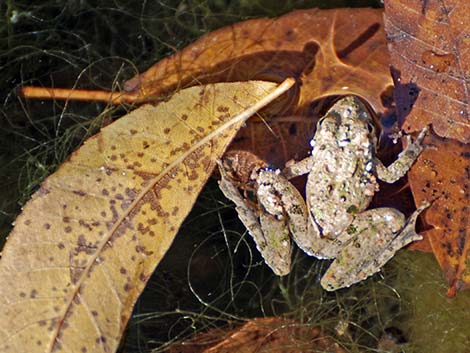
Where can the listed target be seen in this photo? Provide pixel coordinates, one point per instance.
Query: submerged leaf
(442, 176)
(338, 51)
(430, 54)
(330, 52)
(430, 49)
(269, 334)
(86, 243)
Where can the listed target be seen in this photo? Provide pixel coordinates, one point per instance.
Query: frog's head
(240, 165)
(350, 109)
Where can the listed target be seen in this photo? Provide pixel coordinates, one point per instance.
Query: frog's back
(341, 182)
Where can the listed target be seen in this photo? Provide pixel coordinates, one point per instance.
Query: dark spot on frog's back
(352, 210)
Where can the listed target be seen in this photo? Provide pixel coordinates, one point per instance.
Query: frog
(333, 221)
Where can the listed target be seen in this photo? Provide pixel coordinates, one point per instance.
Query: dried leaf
(336, 51)
(270, 334)
(443, 176)
(429, 44)
(430, 54)
(84, 247)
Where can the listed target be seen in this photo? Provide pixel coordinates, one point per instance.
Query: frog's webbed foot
(408, 233)
(405, 237)
(405, 159)
(272, 239)
(270, 234)
(380, 233)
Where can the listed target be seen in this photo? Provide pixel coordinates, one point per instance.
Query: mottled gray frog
(333, 223)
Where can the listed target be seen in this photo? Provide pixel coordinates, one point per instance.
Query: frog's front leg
(293, 169)
(379, 234)
(405, 160)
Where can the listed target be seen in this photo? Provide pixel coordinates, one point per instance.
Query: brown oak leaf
(330, 52)
(429, 43)
(337, 51)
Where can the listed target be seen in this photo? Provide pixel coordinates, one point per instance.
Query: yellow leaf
(86, 243)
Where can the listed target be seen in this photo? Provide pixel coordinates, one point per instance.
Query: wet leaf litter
(344, 56)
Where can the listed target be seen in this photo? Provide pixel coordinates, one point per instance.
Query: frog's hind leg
(380, 233)
(406, 236)
(270, 234)
(279, 197)
(273, 242)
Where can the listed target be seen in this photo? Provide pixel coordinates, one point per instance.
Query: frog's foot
(405, 159)
(420, 139)
(417, 146)
(408, 233)
(379, 234)
(421, 135)
(373, 247)
(273, 242)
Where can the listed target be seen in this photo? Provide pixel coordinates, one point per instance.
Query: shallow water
(433, 322)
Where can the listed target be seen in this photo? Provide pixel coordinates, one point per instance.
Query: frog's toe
(336, 278)
(330, 283)
(280, 269)
(422, 134)
(278, 259)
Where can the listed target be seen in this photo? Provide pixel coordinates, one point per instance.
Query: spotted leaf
(86, 243)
